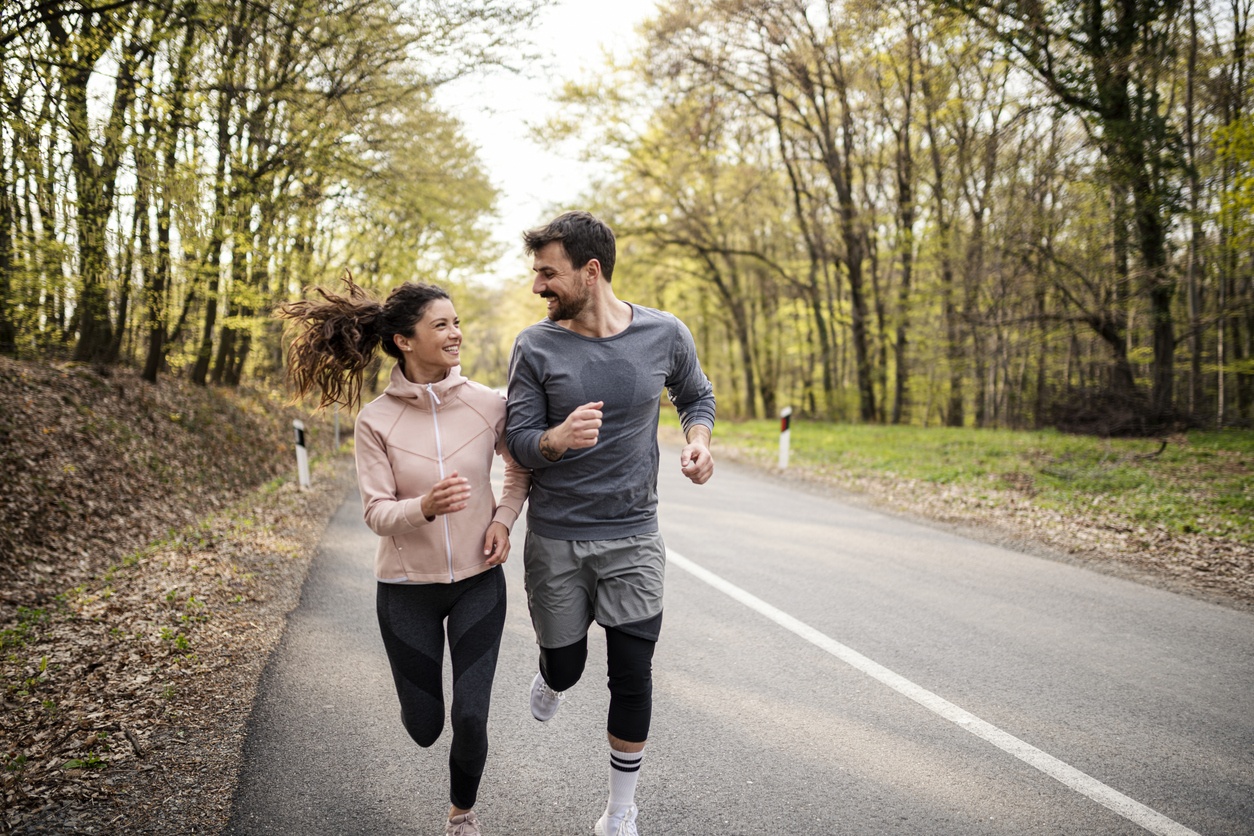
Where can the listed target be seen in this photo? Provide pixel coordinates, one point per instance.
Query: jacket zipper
(439, 454)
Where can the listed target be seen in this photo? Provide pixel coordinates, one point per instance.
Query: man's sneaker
(621, 822)
(544, 700)
(467, 824)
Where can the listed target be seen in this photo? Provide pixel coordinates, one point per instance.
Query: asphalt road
(823, 669)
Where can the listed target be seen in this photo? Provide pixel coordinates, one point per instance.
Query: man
(582, 413)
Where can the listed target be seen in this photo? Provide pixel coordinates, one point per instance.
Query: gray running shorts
(571, 583)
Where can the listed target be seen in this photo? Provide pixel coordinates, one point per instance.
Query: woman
(424, 452)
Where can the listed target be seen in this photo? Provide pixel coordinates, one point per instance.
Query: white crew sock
(624, 770)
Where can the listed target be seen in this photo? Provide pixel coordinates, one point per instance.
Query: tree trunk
(95, 182)
(1162, 290)
(851, 232)
(218, 241)
(1042, 355)
(905, 202)
(814, 249)
(954, 413)
(742, 334)
(158, 290)
(93, 209)
(8, 331)
(971, 284)
(138, 242)
(1196, 233)
(226, 354)
(235, 372)
(905, 222)
(227, 339)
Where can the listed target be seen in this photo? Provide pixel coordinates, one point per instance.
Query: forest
(964, 213)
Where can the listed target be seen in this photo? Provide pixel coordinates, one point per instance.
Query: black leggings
(629, 660)
(411, 619)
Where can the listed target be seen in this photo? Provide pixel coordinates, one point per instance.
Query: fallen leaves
(113, 683)
(144, 578)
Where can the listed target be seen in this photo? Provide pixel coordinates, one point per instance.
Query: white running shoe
(621, 822)
(544, 700)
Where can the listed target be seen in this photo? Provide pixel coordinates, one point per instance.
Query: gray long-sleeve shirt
(609, 490)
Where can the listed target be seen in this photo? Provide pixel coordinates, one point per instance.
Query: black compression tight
(629, 660)
(411, 619)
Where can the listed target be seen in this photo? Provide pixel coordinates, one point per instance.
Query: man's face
(565, 288)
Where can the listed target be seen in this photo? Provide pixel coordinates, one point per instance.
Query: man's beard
(568, 308)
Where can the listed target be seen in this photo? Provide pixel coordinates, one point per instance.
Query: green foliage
(1234, 150)
(778, 172)
(261, 147)
(28, 618)
(91, 760)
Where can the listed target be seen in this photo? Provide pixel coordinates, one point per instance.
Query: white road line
(1132, 810)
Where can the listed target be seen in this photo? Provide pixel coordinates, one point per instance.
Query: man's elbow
(513, 446)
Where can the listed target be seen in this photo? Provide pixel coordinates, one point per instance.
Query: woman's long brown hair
(337, 336)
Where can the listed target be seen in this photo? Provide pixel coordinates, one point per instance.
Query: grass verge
(1202, 483)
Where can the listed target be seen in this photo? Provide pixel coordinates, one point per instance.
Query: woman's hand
(496, 544)
(449, 496)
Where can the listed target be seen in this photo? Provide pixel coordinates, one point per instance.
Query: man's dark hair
(583, 236)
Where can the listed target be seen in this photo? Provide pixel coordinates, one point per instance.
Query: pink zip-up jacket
(409, 438)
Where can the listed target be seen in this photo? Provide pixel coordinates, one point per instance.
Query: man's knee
(630, 660)
(563, 666)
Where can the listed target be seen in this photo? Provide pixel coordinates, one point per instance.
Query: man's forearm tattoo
(547, 449)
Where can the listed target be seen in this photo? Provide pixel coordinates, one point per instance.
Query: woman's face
(434, 347)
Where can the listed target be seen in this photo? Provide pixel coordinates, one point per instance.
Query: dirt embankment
(95, 465)
(152, 541)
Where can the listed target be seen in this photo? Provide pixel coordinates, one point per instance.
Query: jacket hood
(417, 394)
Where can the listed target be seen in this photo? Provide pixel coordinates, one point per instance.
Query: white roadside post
(302, 455)
(785, 422)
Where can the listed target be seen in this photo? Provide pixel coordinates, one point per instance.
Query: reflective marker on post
(302, 455)
(785, 421)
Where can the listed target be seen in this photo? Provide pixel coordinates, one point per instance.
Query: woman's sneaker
(467, 824)
(619, 823)
(544, 700)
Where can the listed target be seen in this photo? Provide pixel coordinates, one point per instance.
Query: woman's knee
(470, 735)
(469, 716)
(423, 730)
